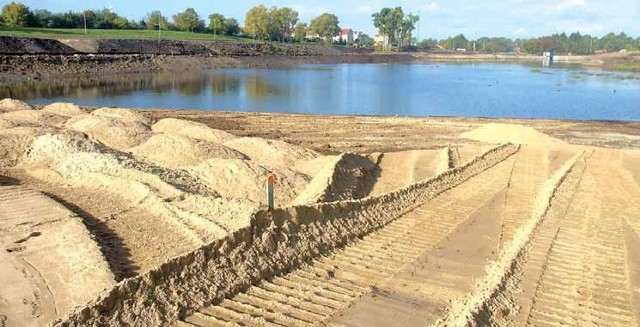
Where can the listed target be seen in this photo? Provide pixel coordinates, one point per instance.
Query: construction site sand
(518, 134)
(191, 129)
(35, 118)
(64, 109)
(177, 151)
(200, 195)
(13, 105)
(274, 242)
(113, 132)
(271, 152)
(50, 263)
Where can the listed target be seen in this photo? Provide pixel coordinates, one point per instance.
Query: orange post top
(271, 178)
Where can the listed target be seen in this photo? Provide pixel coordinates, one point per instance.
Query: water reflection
(488, 90)
(108, 86)
(222, 84)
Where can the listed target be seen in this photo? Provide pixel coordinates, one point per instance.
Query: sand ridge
(518, 134)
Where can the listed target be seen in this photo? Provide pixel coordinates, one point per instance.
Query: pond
(469, 90)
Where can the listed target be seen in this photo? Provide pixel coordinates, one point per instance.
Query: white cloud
(365, 10)
(432, 7)
(570, 4)
(520, 31)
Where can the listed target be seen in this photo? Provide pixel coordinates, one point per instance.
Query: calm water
(473, 90)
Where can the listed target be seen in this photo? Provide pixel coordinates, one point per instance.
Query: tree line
(283, 24)
(269, 24)
(574, 43)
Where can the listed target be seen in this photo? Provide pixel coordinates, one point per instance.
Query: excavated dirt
(142, 218)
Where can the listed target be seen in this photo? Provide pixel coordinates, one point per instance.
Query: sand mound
(243, 179)
(13, 105)
(349, 177)
(114, 132)
(64, 109)
(34, 118)
(49, 148)
(14, 142)
(127, 115)
(504, 133)
(314, 166)
(176, 151)
(271, 152)
(4, 124)
(191, 129)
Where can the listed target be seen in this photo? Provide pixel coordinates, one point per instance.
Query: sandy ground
(90, 196)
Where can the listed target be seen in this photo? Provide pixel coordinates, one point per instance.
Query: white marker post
(270, 200)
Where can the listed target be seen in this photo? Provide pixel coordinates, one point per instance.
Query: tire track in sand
(586, 279)
(313, 294)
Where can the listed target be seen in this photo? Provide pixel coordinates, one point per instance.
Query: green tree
(408, 25)
(16, 15)
(301, 32)
(104, 19)
(287, 19)
(325, 26)
(155, 20)
(389, 22)
(188, 20)
(457, 42)
(216, 23)
(231, 26)
(122, 23)
(256, 22)
(427, 44)
(42, 18)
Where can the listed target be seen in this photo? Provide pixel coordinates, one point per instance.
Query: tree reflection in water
(186, 84)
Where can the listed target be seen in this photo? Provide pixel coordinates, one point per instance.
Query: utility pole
(84, 15)
(475, 38)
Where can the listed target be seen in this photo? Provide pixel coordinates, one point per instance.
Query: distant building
(361, 38)
(346, 36)
(380, 40)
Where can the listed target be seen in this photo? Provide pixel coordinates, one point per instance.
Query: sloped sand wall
(274, 243)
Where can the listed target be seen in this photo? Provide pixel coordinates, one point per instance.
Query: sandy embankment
(148, 190)
(167, 213)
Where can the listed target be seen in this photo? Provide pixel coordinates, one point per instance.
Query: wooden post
(270, 199)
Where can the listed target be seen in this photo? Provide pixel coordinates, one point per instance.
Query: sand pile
(271, 152)
(192, 130)
(14, 142)
(504, 133)
(52, 148)
(114, 132)
(349, 177)
(34, 118)
(245, 179)
(175, 151)
(126, 115)
(64, 109)
(13, 105)
(5, 124)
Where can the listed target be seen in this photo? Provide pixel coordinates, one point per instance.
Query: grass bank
(119, 34)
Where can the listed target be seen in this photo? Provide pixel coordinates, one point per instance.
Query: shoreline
(17, 68)
(37, 58)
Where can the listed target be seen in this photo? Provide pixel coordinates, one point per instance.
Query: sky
(438, 18)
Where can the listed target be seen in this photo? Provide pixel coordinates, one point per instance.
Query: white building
(346, 35)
